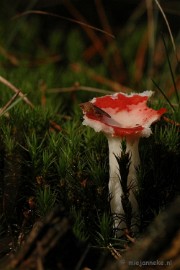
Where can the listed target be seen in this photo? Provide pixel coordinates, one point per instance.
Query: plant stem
(170, 68)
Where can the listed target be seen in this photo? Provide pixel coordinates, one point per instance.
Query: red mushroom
(121, 116)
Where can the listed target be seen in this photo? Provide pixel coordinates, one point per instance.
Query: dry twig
(98, 78)
(26, 100)
(16, 90)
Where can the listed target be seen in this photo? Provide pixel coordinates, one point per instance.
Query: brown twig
(92, 50)
(140, 58)
(12, 58)
(114, 252)
(129, 237)
(168, 26)
(151, 24)
(171, 121)
(116, 67)
(26, 100)
(43, 88)
(89, 31)
(98, 78)
(171, 90)
(55, 126)
(78, 87)
(16, 90)
(8, 103)
(82, 23)
(42, 241)
(43, 61)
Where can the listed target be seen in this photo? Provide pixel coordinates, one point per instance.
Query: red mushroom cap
(121, 115)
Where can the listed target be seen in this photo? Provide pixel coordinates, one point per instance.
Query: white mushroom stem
(132, 147)
(115, 189)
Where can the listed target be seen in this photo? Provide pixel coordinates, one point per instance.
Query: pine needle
(27, 101)
(162, 92)
(170, 68)
(64, 18)
(75, 88)
(168, 26)
(9, 104)
(16, 90)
